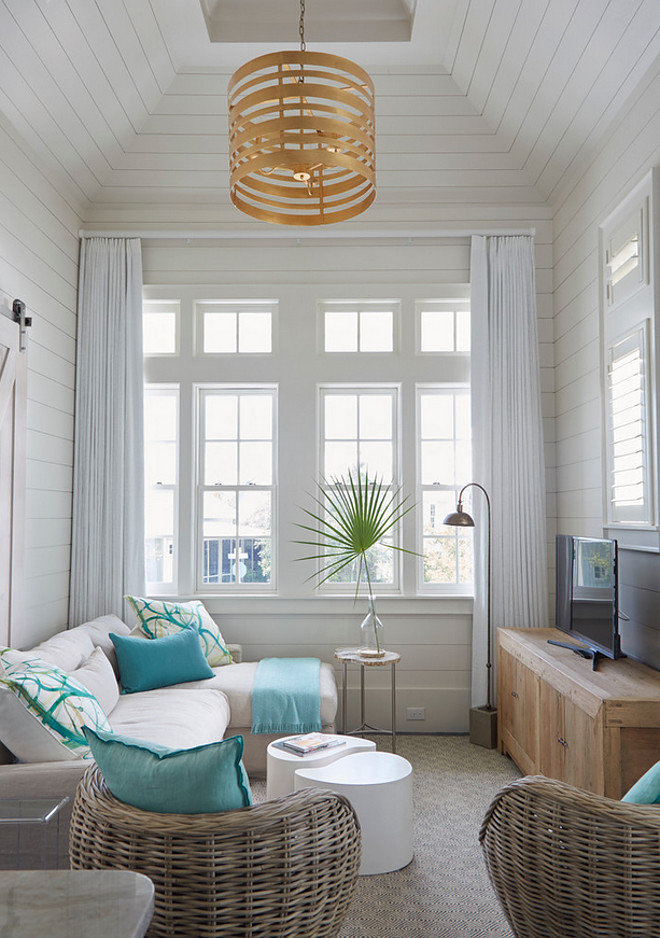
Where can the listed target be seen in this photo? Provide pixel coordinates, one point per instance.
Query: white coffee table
(379, 786)
(281, 765)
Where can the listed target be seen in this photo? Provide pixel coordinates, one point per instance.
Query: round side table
(390, 658)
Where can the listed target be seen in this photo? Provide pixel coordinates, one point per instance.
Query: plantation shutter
(630, 493)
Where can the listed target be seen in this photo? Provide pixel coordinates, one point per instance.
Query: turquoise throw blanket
(286, 697)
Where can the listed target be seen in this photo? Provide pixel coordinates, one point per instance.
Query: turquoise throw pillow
(203, 780)
(157, 618)
(173, 659)
(646, 790)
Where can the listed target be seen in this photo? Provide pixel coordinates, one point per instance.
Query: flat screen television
(588, 595)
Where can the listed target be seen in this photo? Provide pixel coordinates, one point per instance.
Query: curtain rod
(304, 234)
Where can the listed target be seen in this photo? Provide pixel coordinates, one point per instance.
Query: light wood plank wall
(39, 265)
(587, 195)
(433, 636)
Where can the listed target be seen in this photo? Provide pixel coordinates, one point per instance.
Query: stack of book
(309, 742)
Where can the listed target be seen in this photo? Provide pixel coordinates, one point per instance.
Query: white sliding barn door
(13, 380)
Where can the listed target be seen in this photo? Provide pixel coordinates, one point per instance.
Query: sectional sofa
(179, 716)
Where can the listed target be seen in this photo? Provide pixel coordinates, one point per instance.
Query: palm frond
(351, 515)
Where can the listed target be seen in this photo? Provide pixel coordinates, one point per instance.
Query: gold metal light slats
(302, 138)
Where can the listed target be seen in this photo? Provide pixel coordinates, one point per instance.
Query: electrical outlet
(415, 713)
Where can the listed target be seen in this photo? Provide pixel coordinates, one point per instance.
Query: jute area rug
(444, 892)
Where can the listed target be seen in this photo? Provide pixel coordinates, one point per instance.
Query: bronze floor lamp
(483, 720)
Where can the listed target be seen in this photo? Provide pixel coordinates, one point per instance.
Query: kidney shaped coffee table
(379, 786)
(281, 765)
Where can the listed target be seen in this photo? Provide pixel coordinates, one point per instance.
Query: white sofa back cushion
(97, 676)
(69, 649)
(20, 731)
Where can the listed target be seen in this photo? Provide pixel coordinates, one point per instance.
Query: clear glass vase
(371, 633)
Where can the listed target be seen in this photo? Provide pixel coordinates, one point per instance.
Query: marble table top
(353, 654)
(75, 904)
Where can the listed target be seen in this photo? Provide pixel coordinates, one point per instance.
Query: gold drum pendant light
(301, 137)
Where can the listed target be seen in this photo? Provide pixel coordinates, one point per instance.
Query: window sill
(249, 604)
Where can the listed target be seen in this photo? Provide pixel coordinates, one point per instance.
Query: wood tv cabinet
(598, 730)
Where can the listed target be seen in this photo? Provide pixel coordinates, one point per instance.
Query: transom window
(231, 329)
(160, 327)
(358, 327)
(444, 325)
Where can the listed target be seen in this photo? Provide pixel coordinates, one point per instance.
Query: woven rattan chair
(566, 863)
(281, 868)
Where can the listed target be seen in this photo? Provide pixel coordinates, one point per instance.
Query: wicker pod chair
(281, 869)
(566, 863)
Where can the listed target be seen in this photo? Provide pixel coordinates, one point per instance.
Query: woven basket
(566, 863)
(281, 868)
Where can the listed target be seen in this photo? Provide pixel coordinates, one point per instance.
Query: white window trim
(299, 460)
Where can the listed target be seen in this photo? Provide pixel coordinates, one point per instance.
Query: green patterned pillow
(60, 703)
(157, 619)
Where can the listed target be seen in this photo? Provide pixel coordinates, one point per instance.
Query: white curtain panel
(107, 555)
(507, 441)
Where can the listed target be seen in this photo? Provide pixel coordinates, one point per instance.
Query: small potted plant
(352, 516)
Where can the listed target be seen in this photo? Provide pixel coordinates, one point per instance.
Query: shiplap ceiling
(478, 101)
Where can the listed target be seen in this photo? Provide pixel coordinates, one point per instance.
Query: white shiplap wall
(39, 264)
(586, 197)
(432, 635)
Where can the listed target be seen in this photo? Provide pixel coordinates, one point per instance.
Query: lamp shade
(301, 138)
(459, 519)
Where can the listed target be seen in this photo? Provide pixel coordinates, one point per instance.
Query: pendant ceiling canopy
(302, 137)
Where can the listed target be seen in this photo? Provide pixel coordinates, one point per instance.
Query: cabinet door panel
(518, 703)
(584, 749)
(504, 697)
(552, 744)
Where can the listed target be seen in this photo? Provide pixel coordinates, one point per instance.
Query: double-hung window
(236, 488)
(359, 437)
(444, 459)
(161, 457)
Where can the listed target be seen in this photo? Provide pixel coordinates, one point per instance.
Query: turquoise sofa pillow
(157, 618)
(203, 780)
(646, 789)
(146, 664)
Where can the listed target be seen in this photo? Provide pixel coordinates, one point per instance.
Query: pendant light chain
(301, 26)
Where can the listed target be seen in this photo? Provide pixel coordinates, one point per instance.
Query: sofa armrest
(236, 652)
(41, 779)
